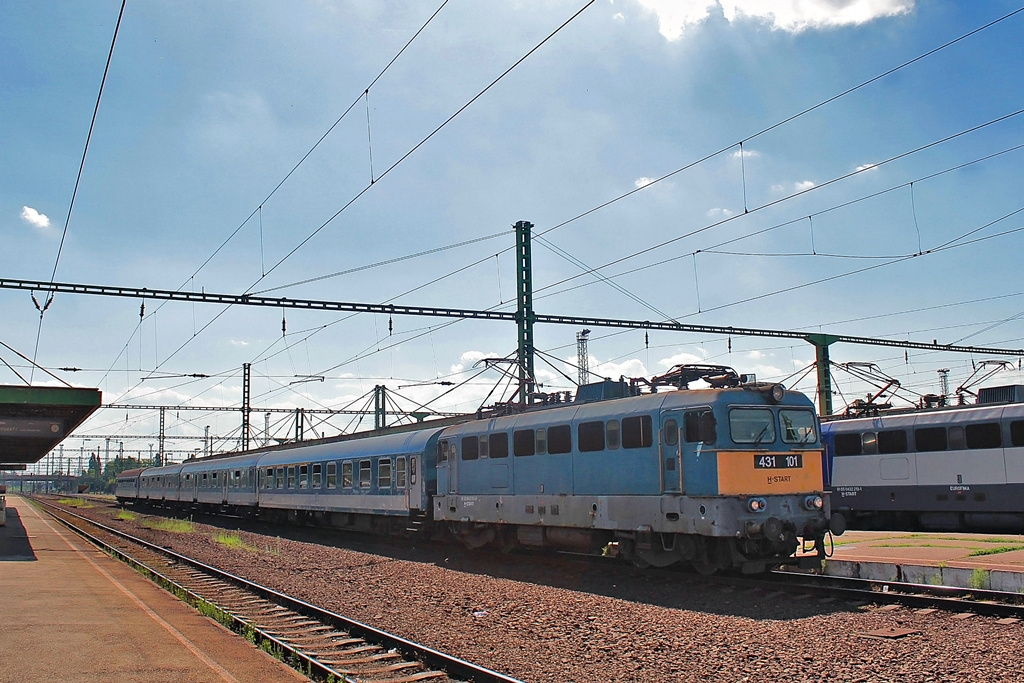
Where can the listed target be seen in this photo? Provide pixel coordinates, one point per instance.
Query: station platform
(981, 561)
(70, 612)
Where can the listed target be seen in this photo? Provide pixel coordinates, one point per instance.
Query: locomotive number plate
(779, 462)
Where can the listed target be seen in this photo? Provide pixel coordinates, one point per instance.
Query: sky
(818, 165)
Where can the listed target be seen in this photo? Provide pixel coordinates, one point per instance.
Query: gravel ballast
(548, 619)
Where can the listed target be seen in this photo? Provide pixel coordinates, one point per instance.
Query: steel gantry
(524, 316)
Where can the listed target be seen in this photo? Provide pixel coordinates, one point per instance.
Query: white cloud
(756, 355)
(676, 16)
(803, 185)
(632, 367)
(866, 167)
(799, 186)
(34, 218)
(239, 342)
(643, 181)
(720, 213)
(746, 154)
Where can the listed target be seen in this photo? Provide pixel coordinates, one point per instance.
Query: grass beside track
(233, 540)
(175, 526)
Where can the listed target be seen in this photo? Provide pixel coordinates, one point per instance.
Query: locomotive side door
(447, 483)
(669, 448)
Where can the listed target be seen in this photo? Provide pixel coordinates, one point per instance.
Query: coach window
(848, 444)
(291, 476)
(892, 441)
(869, 443)
(524, 442)
(930, 439)
(317, 475)
(346, 474)
(1017, 432)
(238, 479)
(560, 439)
(498, 444)
(400, 472)
(798, 426)
(303, 476)
(470, 447)
(384, 473)
(364, 474)
(590, 436)
(280, 478)
(636, 432)
(611, 435)
(984, 435)
(213, 479)
(332, 475)
(671, 432)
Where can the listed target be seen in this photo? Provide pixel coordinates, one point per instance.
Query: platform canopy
(33, 420)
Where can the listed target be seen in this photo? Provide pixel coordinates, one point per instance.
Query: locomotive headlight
(813, 502)
(778, 392)
(757, 504)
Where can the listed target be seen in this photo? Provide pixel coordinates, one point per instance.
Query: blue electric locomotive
(721, 478)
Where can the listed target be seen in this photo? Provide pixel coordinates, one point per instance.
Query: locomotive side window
(798, 426)
(671, 432)
(332, 475)
(499, 444)
(612, 434)
(591, 436)
(317, 475)
(637, 431)
(984, 435)
(752, 425)
(848, 444)
(384, 473)
(470, 447)
(365, 474)
(931, 439)
(560, 439)
(542, 441)
(869, 443)
(1017, 432)
(400, 472)
(346, 474)
(892, 441)
(957, 440)
(442, 452)
(523, 442)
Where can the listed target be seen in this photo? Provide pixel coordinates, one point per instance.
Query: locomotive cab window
(798, 426)
(752, 425)
(590, 436)
(470, 447)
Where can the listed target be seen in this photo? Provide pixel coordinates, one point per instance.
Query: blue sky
(208, 106)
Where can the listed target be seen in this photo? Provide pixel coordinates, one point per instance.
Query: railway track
(919, 596)
(322, 644)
